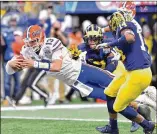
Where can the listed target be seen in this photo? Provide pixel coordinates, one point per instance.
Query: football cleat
(11, 101)
(104, 130)
(134, 127)
(107, 130)
(151, 129)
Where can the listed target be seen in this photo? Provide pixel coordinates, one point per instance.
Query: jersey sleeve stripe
(57, 46)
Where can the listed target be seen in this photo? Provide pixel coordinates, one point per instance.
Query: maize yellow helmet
(93, 32)
(116, 20)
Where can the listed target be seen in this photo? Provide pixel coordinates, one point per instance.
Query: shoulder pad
(52, 43)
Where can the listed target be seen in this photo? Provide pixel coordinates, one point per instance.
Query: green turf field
(21, 126)
(59, 119)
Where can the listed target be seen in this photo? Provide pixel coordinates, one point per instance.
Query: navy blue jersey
(98, 58)
(92, 56)
(136, 54)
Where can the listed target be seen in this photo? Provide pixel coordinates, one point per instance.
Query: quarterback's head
(128, 9)
(34, 37)
(93, 36)
(116, 21)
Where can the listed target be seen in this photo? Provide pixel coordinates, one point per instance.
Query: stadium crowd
(16, 16)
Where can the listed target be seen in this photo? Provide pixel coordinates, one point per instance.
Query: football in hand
(22, 58)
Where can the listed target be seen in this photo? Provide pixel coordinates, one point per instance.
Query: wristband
(42, 65)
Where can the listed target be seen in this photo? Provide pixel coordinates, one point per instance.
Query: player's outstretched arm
(14, 65)
(127, 36)
(54, 66)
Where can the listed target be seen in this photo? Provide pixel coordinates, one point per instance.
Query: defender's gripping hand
(75, 52)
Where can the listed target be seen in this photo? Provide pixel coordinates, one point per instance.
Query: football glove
(82, 56)
(75, 52)
(116, 54)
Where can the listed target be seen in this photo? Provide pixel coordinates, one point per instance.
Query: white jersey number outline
(139, 31)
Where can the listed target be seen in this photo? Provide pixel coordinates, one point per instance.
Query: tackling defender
(138, 76)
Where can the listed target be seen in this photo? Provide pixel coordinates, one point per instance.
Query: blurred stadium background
(67, 21)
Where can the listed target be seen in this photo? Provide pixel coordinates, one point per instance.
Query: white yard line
(71, 106)
(62, 119)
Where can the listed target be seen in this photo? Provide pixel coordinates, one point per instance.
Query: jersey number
(142, 42)
(49, 42)
(139, 31)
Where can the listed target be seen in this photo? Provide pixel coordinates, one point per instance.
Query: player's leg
(136, 82)
(17, 84)
(91, 77)
(62, 99)
(92, 74)
(7, 84)
(7, 87)
(37, 75)
(97, 93)
(111, 92)
(117, 81)
(24, 85)
(142, 109)
(134, 85)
